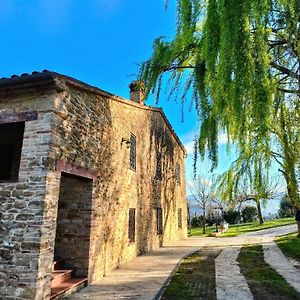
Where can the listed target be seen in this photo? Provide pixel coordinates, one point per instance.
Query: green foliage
(246, 179)
(240, 60)
(249, 214)
(286, 208)
(237, 229)
(232, 216)
(195, 222)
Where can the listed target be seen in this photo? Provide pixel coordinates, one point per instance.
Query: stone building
(88, 180)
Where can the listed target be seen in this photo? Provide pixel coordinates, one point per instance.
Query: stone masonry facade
(87, 159)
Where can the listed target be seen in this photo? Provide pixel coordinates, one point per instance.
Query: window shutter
(159, 219)
(131, 225)
(158, 173)
(177, 174)
(132, 155)
(179, 218)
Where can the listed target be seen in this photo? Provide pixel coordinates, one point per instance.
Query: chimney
(137, 91)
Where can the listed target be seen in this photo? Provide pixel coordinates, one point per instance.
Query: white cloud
(189, 146)
(188, 141)
(191, 184)
(188, 136)
(206, 181)
(222, 139)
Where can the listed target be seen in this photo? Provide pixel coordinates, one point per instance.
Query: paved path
(228, 275)
(143, 277)
(274, 257)
(269, 234)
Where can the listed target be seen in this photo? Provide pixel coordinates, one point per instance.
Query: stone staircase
(63, 281)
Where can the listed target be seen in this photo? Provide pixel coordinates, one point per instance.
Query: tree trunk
(189, 219)
(259, 213)
(289, 166)
(203, 221)
(291, 183)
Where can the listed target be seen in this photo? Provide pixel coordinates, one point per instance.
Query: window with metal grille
(177, 173)
(131, 225)
(11, 141)
(158, 173)
(159, 221)
(179, 218)
(132, 156)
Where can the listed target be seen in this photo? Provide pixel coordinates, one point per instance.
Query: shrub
(195, 222)
(249, 214)
(286, 208)
(232, 216)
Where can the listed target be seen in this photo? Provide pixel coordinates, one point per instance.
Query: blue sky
(100, 42)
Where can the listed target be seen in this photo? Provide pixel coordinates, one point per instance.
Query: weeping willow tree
(240, 60)
(248, 179)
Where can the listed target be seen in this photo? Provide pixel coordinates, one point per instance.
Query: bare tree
(201, 191)
(189, 215)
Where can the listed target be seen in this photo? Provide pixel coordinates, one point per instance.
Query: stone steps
(64, 282)
(66, 288)
(60, 276)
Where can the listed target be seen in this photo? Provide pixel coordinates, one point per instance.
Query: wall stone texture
(86, 129)
(72, 242)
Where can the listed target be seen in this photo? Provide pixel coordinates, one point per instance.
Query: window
(179, 218)
(11, 141)
(158, 173)
(177, 174)
(131, 225)
(159, 221)
(132, 156)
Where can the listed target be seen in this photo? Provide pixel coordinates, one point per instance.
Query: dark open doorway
(11, 140)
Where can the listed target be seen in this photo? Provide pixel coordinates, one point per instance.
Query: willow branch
(277, 160)
(289, 91)
(285, 70)
(177, 68)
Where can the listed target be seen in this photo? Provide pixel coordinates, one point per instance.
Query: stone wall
(86, 130)
(22, 202)
(90, 136)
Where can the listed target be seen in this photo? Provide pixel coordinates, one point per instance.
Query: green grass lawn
(237, 229)
(195, 277)
(264, 282)
(290, 245)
